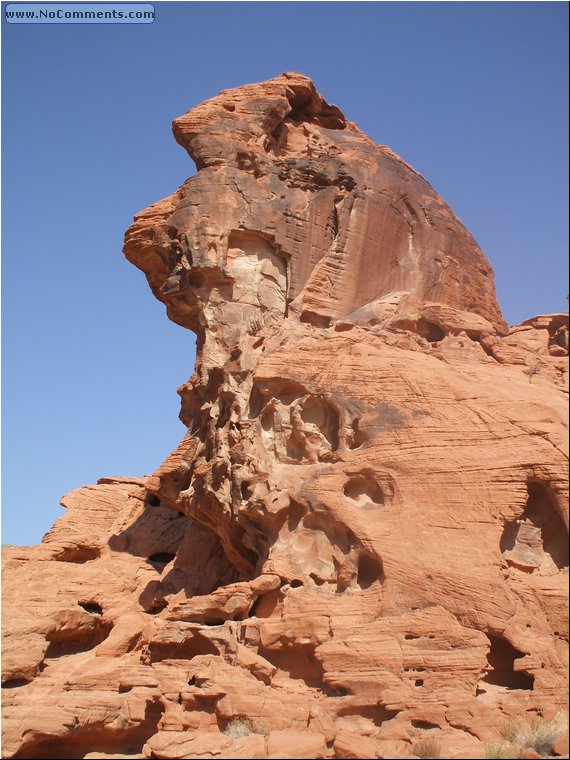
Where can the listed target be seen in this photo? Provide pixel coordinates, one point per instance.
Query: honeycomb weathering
(363, 535)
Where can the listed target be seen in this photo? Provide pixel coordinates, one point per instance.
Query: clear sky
(473, 95)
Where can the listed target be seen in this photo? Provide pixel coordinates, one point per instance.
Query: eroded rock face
(363, 535)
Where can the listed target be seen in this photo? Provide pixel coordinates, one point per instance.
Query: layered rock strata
(362, 538)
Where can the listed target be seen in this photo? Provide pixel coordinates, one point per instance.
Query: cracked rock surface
(363, 537)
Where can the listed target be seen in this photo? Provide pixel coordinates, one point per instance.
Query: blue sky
(473, 95)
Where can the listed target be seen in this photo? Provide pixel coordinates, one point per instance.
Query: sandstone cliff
(362, 539)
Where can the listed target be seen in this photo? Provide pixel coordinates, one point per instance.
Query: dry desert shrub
(259, 727)
(539, 735)
(238, 727)
(531, 370)
(500, 750)
(509, 728)
(426, 747)
(244, 726)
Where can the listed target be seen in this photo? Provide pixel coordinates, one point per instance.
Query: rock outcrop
(363, 537)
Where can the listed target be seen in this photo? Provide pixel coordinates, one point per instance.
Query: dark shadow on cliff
(185, 555)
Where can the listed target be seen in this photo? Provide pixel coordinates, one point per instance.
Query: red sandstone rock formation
(362, 539)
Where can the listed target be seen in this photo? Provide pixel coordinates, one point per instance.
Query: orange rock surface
(363, 538)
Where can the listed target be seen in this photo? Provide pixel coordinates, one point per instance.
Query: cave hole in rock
(195, 644)
(278, 137)
(246, 162)
(296, 583)
(419, 682)
(424, 725)
(295, 514)
(265, 605)
(410, 637)
(14, 683)
(306, 110)
(378, 714)
(160, 559)
(225, 410)
(369, 571)
(363, 489)
(251, 545)
(300, 663)
(343, 326)
(560, 338)
(476, 338)
(97, 739)
(287, 390)
(219, 474)
(246, 490)
(78, 554)
(318, 320)
(336, 532)
(152, 500)
(296, 448)
(152, 598)
(256, 402)
(357, 437)
(256, 263)
(323, 415)
(183, 478)
(501, 658)
(430, 331)
(92, 607)
(68, 641)
(215, 380)
(540, 528)
(542, 511)
(157, 608)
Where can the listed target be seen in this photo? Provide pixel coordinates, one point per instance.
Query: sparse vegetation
(238, 727)
(499, 750)
(541, 734)
(426, 747)
(531, 370)
(509, 728)
(241, 725)
(538, 735)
